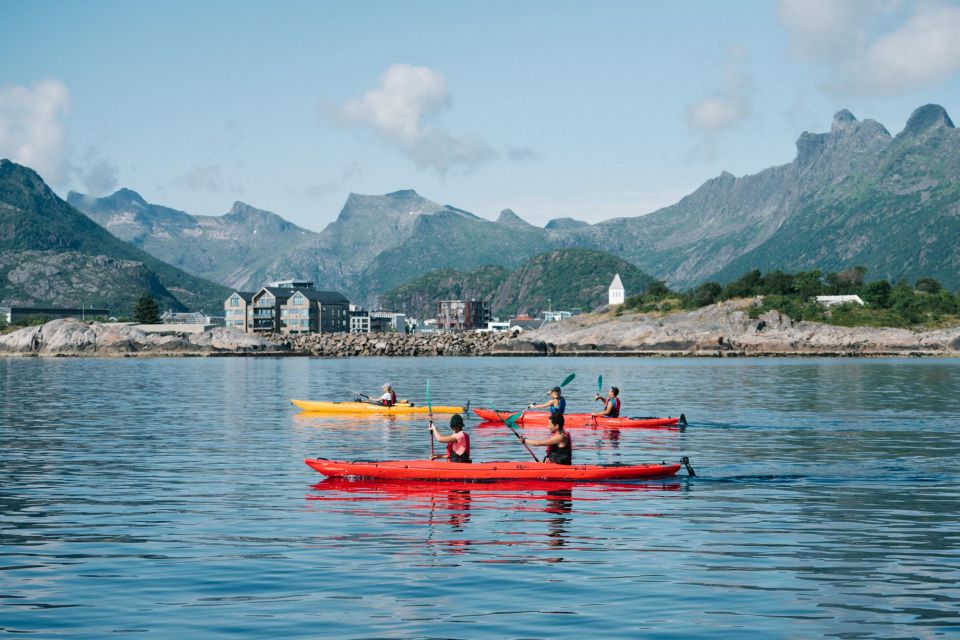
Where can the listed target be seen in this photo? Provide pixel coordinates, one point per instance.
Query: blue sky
(587, 110)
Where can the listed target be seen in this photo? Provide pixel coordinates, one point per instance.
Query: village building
(462, 315)
(616, 293)
(238, 311)
(291, 307)
(828, 301)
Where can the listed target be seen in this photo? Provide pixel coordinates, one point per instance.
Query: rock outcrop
(724, 329)
(72, 337)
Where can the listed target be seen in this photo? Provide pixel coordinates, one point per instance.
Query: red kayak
(539, 418)
(398, 489)
(487, 471)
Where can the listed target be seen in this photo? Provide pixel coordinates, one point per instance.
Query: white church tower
(616, 291)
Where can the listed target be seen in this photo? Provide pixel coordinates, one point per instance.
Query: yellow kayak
(366, 407)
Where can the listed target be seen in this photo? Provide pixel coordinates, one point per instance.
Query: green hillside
(49, 247)
(561, 279)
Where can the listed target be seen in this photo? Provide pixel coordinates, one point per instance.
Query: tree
(706, 293)
(877, 293)
(657, 288)
(746, 286)
(147, 310)
(928, 285)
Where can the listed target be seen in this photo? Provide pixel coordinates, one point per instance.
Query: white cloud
(729, 105)
(99, 176)
(875, 46)
(31, 130)
(400, 109)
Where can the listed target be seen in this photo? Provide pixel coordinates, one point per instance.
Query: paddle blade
(512, 420)
(568, 379)
(599, 384)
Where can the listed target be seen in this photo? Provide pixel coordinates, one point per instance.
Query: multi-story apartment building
(290, 307)
(359, 320)
(238, 311)
(462, 315)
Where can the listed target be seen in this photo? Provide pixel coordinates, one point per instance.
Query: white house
(616, 291)
(832, 300)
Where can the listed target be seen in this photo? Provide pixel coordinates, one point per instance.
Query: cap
(386, 385)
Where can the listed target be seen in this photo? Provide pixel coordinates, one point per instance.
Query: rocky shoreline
(726, 330)
(721, 330)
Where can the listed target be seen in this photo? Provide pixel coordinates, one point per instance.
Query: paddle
(565, 382)
(599, 389)
(511, 423)
(430, 417)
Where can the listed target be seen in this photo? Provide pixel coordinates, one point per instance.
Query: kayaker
(559, 445)
(389, 397)
(557, 403)
(458, 443)
(611, 408)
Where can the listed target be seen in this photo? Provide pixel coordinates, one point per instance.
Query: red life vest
(453, 456)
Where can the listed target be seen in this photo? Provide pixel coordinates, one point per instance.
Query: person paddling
(559, 445)
(389, 397)
(611, 408)
(557, 403)
(458, 443)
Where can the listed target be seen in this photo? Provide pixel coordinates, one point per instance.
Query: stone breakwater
(393, 344)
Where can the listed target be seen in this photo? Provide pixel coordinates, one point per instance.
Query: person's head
(556, 422)
(387, 387)
(555, 392)
(615, 391)
(456, 423)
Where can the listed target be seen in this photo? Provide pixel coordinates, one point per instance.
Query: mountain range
(854, 196)
(51, 254)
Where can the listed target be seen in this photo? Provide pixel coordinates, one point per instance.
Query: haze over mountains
(853, 196)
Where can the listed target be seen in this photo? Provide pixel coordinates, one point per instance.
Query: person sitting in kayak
(611, 408)
(389, 397)
(559, 445)
(557, 403)
(458, 443)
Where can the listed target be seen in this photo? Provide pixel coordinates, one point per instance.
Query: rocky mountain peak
(926, 118)
(843, 120)
(509, 218)
(403, 194)
(565, 224)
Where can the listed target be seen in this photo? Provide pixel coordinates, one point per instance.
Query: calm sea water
(168, 498)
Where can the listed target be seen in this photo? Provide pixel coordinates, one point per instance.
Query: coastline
(724, 330)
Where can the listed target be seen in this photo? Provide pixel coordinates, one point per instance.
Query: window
(235, 301)
(298, 300)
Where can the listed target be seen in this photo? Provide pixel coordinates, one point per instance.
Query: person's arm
(440, 438)
(548, 403)
(556, 438)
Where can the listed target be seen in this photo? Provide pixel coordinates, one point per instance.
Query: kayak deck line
(491, 471)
